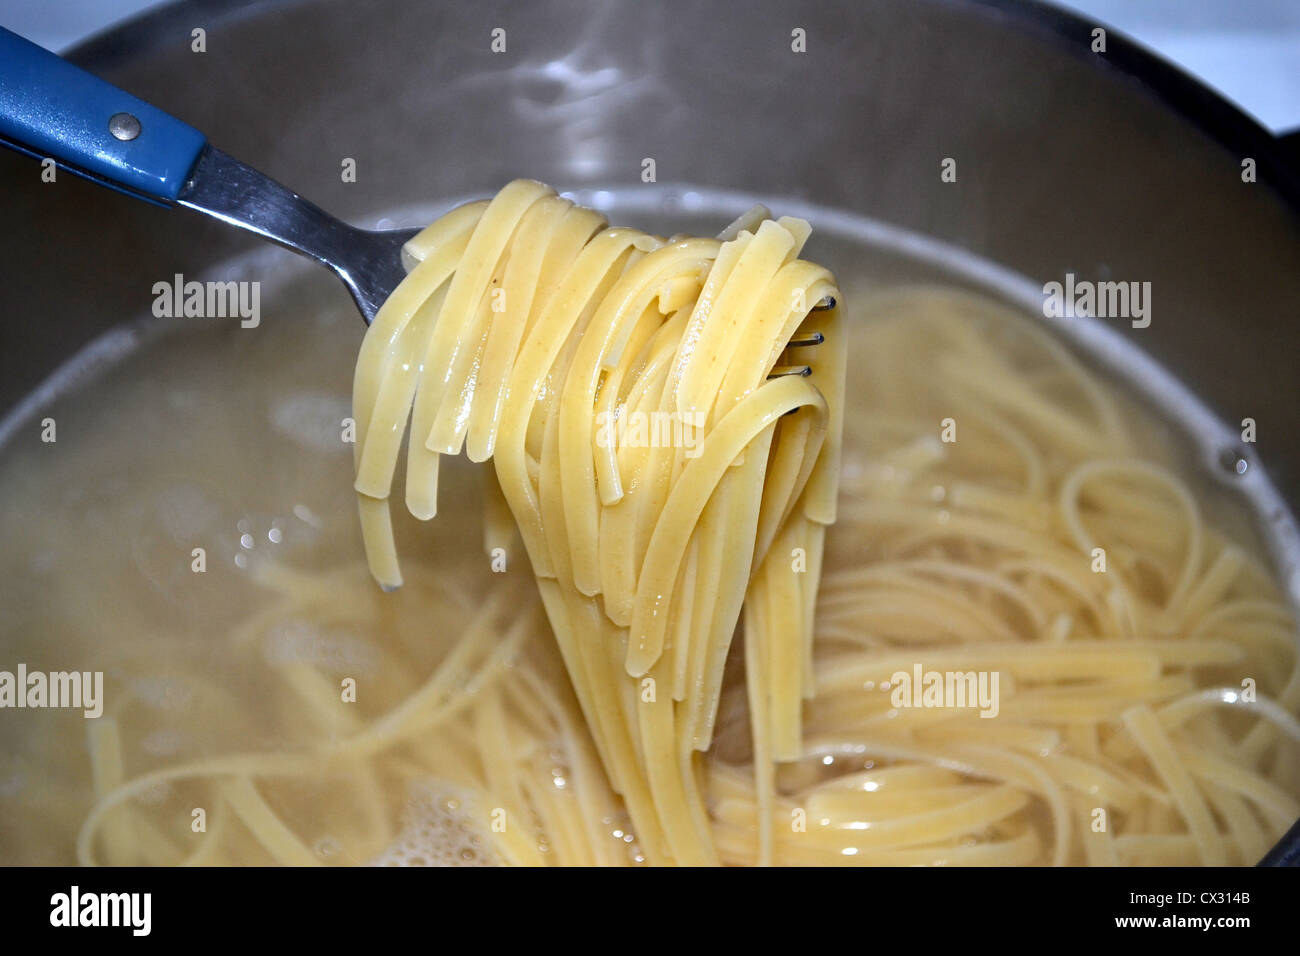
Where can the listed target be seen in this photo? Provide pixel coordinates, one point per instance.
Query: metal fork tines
(806, 340)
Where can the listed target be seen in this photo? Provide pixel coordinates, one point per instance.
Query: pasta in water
(687, 608)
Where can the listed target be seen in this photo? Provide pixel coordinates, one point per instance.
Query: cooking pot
(1104, 164)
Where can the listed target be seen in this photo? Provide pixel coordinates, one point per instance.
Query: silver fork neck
(237, 194)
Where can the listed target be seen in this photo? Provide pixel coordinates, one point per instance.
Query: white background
(1249, 50)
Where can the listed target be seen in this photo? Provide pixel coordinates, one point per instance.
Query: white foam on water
(185, 510)
(337, 651)
(441, 826)
(312, 420)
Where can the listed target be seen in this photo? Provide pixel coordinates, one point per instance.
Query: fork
(52, 110)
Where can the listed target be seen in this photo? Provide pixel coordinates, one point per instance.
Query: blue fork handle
(52, 109)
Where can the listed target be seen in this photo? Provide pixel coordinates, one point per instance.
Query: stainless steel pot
(1107, 165)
